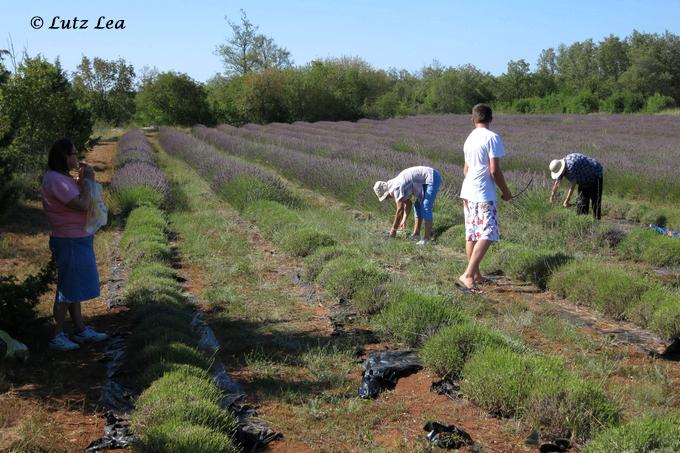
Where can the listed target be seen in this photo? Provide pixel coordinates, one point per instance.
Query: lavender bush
(137, 179)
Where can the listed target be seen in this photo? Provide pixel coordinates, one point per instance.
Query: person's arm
(555, 186)
(82, 201)
(407, 210)
(569, 194)
(498, 178)
(465, 169)
(397, 217)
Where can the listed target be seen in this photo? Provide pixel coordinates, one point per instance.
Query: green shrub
(176, 436)
(447, 351)
(164, 333)
(302, 242)
(147, 216)
(149, 312)
(136, 196)
(315, 262)
(191, 411)
(659, 103)
(570, 408)
(19, 299)
(148, 271)
(346, 277)
(184, 383)
(412, 318)
(524, 263)
(649, 434)
(271, 216)
(147, 251)
(245, 190)
(159, 352)
(607, 287)
(650, 246)
(502, 381)
(666, 317)
(154, 291)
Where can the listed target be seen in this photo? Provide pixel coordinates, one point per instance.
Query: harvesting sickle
(523, 190)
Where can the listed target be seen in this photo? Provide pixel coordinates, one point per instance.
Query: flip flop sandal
(466, 290)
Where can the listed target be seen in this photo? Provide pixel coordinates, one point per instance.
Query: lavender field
(639, 152)
(305, 188)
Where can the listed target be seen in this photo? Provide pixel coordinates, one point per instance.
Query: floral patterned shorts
(481, 221)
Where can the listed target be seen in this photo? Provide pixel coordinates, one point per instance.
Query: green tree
(654, 65)
(172, 98)
(516, 83)
(41, 107)
(577, 66)
(612, 57)
(37, 107)
(106, 88)
(247, 51)
(457, 90)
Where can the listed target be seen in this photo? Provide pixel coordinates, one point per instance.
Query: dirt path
(50, 403)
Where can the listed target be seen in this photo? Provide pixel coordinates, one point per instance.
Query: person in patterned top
(585, 172)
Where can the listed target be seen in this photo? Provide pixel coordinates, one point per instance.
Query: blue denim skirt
(77, 276)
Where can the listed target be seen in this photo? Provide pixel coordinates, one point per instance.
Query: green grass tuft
(412, 318)
(649, 434)
(448, 350)
(303, 241)
(650, 246)
(355, 279)
(606, 287)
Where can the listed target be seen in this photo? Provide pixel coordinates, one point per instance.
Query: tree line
(40, 102)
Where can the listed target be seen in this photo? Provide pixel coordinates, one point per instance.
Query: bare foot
(468, 282)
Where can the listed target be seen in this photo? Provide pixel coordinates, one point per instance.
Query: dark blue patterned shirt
(582, 170)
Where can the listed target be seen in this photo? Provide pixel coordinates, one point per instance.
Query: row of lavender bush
(137, 180)
(179, 406)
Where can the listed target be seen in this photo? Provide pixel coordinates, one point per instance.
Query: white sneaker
(89, 335)
(60, 342)
(423, 242)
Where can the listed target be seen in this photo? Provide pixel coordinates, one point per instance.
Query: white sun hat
(380, 189)
(557, 167)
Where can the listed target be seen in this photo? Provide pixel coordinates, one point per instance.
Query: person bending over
(421, 183)
(587, 173)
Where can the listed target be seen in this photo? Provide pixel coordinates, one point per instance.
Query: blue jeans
(424, 210)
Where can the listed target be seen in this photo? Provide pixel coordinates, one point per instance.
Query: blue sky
(182, 36)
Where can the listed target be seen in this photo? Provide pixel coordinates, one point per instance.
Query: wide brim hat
(381, 190)
(557, 167)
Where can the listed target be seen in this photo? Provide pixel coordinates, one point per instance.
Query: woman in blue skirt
(65, 200)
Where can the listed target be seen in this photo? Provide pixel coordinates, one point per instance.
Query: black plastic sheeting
(448, 436)
(251, 431)
(557, 445)
(117, 434)
(446, 388)
(382, 370)
(118, 399)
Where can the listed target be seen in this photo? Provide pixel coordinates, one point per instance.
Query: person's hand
(86, 171)
(566, 204)
(392, 233)
(552, 199)
(506, 196)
